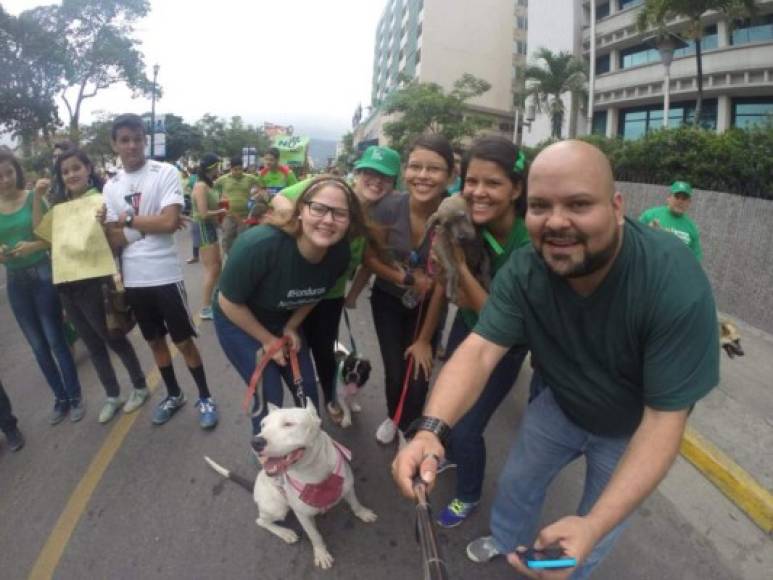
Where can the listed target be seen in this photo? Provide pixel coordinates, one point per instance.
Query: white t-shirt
(151, 260)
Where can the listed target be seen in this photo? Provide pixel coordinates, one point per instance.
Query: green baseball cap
(382, 159)
(681, 187)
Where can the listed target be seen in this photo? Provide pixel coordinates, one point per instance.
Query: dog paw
(346, 422)
(322, 558)
(366, 515)
(356, 407)
(288, 536)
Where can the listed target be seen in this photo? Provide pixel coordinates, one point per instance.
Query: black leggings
(321, 330)
(396, 328)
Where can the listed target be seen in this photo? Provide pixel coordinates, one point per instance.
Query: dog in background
(304, 470)
(352, 374)
(730, 338)
(451, 226)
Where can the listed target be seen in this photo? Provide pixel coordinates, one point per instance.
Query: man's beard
(592, 261)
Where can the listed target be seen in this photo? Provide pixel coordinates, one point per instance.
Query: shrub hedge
(736, 161)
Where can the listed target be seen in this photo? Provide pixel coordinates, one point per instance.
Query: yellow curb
(741, 488)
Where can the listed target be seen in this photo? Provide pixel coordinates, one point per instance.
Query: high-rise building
(629, 83)
(438, 41)
(628, 95)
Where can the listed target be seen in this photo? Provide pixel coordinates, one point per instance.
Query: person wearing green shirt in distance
(31, 293)
(83, 300)
(237, 187)
(494, 186)
(275, 177)
(276, 274)
(206, 211)
(673, 217)
(375, 175)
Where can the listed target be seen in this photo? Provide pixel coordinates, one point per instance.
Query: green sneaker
(455, 513)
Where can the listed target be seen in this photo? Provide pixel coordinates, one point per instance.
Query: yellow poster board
(79, 248)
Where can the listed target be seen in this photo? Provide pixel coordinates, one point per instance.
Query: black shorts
(162, 309)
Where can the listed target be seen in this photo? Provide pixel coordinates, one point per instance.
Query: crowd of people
(618, 317)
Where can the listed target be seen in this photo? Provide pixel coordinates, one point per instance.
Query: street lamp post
(153, 114)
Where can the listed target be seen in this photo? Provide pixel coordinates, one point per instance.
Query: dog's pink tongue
(350, 389)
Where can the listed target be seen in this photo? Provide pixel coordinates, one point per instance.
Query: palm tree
(562, 73)
(657, 13)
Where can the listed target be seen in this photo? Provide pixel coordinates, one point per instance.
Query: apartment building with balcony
(629, 80)
(437, 41)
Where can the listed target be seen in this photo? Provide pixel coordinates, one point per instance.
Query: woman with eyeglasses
(402, 281)
(274, 276)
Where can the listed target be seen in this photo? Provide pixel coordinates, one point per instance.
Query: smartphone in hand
(547, 558)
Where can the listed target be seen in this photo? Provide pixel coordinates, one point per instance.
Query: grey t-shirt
(393, 213)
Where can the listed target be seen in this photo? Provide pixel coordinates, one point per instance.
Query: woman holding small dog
(402, 283)
(494, 186)
(275, 275)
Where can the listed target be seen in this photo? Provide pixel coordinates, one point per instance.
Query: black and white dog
(353, 373)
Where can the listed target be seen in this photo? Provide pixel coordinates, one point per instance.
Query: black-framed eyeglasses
(320, 210)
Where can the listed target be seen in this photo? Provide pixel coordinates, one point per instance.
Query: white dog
(303, 470)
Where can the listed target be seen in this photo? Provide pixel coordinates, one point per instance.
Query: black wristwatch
(128, 220)
(432, 424)
(409, 279)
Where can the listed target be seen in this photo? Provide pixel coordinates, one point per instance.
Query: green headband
(520, 163)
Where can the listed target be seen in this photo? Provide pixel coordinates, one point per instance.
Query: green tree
(95, 138)
(347, 157)
(426, 107)
(99, 49)
(658, 13)
(182, 139)
(557, 74)
(32, 64)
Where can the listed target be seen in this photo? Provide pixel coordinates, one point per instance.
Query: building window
(752, 112)
(602, 64)
(638, 55)
(758, 30)
(637, 122)
(519, 47)
(418, 57)
(602, 10)
(523, 2)
(521, 22)
(418, 30)
(710, 41)
(623, 4)
(599, 126)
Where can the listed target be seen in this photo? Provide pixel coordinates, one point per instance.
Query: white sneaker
(136, 400)
(386, 431)
(109, 409)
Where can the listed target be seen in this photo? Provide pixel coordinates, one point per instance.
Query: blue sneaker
(167, 408)
(208, 413)
(455, 513)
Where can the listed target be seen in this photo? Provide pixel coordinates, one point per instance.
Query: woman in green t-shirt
(494, 185)
(206, 212)
(275, 275)
(31, 293)
(83, 300)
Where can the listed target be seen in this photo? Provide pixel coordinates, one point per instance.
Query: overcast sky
(302, 62)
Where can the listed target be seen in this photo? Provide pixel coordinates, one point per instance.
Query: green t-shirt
(518, 237)
(17, 227)
(237, 191)
(266, 272)
(213, 202)
(278, 179)
(648, 335)
(679, 225)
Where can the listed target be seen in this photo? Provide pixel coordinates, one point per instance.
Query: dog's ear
(272, 407)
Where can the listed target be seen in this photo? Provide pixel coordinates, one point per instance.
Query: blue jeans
(241, 350)
(546, 442)
(35, 304)
(466, 446)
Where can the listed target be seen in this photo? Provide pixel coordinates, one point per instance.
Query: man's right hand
(420, 456)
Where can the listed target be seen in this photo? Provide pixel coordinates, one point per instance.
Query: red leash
(408, 371)
(267, 357)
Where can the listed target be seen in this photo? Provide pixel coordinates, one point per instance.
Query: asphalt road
(131, 500)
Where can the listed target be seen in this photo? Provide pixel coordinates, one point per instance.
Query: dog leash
(408, 371)
(349, 329)
(267, 357)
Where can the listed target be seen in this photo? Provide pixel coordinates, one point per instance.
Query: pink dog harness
(326, 493)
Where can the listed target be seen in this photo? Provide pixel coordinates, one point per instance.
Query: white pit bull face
(284, 436)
